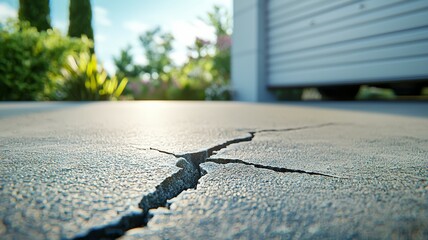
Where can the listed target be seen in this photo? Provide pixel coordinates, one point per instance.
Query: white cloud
(227, 3)
(108, 65)
(7, 11)
(179, 57)
(139, 58)
(101, 16)
(100, 38)
(136, 27)
(61, 25)
(185, 32)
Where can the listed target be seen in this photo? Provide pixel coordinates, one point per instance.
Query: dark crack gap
(186, 178)
(276, 169)
(164, 152)
(296, 128)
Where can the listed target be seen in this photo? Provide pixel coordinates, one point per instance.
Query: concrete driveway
(191, 170)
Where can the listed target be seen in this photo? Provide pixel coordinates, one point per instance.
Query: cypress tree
(80, 19)
(37, 12)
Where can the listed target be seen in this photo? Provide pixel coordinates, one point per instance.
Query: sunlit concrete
(279, 171)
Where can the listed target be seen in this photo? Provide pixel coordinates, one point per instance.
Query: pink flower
(135, 88)
(224, 42)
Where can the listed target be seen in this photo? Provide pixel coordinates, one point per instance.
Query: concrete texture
(179, 170)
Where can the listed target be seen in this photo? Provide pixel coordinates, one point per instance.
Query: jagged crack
(186, 178)
(164, 152)
(296, 128)
(276, 169)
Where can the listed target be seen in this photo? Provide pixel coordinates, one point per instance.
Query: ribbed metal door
(345, 41)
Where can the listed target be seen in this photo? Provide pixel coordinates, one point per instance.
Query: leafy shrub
(30, 61)
(84, 80)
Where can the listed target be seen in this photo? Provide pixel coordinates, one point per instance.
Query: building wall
(296, 43)
(313, 43)
(248, 51)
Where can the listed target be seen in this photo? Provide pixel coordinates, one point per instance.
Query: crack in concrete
(164, 152)
(186, 178)
(296, 128)
(275, 169)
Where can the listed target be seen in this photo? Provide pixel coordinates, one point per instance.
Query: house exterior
(297, 43)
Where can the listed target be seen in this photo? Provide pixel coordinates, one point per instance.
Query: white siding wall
(248, 51)
(346, 41)
(286, 43)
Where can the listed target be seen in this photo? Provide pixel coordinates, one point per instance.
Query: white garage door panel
(349, 15)
(397, 69)
(274, 4)
(362, 26)
(346, 40)
(382, 53)
(286, 12)
(395, 38)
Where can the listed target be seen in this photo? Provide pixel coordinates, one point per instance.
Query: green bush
(30, 61)
(84, 80)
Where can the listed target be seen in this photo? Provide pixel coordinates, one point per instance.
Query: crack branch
(276, 169)
(165, 152)
(296, 128)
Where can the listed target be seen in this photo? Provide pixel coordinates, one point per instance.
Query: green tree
(80, 16)
(157, 72)
(220, 19)
(37, 12)
(205, 75)
(125, 66)
(157, 46)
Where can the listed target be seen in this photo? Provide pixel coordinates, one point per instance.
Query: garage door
(345, 41)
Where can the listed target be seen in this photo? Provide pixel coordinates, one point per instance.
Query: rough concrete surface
(180, 170)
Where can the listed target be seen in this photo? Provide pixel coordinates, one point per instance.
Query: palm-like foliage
(83, 80)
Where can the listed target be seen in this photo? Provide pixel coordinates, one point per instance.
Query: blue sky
(118, 23)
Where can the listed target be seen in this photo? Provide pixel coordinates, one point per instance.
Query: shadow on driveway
(403, 108)
(12, 109)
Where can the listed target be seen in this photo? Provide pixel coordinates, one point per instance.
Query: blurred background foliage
(80, 20)
(40, 63)
(35, 12)
(204, 76)
(84, 80)
(31, 61)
